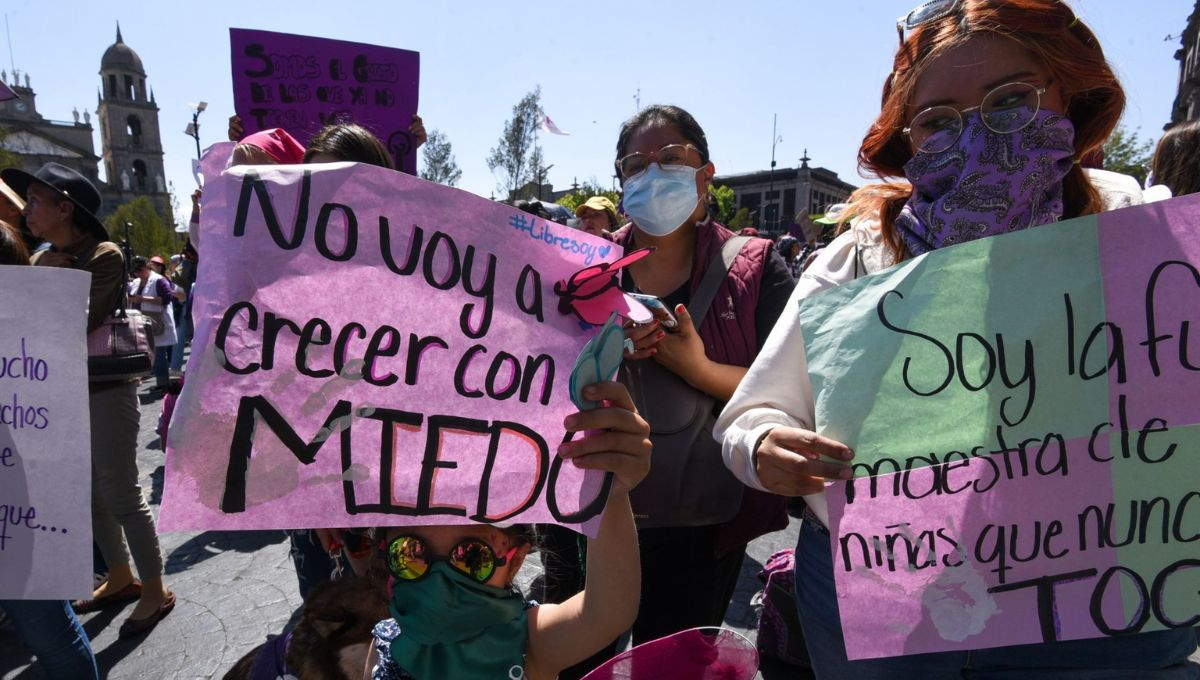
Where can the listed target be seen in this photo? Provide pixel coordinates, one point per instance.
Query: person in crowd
(342, 142)
(970, 77)
(789, 247)
(12, 207)
(48, 628)
(689, 569)
(265, 147)
(182, 275)
(12, 246)
(455, 612)
(1176, 163)
(61, 207)
(268, 147)
(152, 293)
(598, 216)
(416, 128)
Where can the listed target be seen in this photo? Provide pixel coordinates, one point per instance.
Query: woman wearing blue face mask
(694, 520)
(987, 108)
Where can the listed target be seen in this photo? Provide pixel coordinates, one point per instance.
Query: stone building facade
(1187, 99)
(777, 199)
(127, 115)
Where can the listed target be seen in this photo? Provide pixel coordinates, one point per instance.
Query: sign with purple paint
(376, 350)
(45, 436)
(1025, 415)
(301, 84)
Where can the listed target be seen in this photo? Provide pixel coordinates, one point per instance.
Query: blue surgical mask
(660, 199)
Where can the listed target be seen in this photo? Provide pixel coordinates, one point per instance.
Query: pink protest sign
(1025, 416)
(300, 83)
(374, 349)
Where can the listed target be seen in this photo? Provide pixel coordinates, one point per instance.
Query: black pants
(684, 585)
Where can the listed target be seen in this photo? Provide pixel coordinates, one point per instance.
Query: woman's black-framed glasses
(1004, 110)
(671, 154)
(408, 558)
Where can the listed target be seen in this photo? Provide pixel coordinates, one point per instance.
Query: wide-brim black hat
(67, 182)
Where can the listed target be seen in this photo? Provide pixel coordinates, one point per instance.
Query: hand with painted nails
(682, 352)
(614, 437)
(795, 462)
(644, 337)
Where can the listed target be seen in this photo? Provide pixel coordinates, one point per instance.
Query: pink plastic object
(592, 293)
(696, 654)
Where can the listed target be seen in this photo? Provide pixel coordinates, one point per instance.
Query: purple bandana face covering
(987, 183)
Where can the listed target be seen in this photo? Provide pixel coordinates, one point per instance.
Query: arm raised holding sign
(454, 611)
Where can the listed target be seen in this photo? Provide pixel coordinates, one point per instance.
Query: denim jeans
(162, 365)
(1161, 655)
(50, 630)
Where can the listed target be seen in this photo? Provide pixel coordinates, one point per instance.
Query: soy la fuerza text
(1090, 355)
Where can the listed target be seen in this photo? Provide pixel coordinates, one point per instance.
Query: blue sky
(818, 65)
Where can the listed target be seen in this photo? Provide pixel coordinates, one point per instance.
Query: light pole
(193, 128)
(775, 139)
(542, 172)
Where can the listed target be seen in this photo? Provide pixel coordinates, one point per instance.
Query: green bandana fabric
(452, 626)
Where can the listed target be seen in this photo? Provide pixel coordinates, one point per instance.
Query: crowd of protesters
(723, 358)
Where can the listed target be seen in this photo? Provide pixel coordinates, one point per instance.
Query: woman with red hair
(988, 108)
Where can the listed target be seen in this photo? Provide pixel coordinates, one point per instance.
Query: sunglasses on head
(408, 558)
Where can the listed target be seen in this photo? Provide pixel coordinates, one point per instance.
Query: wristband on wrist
(754, 451)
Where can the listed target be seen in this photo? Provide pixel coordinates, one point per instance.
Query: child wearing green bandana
(455, 613)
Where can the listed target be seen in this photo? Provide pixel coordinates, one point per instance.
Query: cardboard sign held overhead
(300, 83)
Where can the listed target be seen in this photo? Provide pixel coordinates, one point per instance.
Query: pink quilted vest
(728, 330)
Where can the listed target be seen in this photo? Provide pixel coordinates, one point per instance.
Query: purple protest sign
(373, 349)
(300, 84)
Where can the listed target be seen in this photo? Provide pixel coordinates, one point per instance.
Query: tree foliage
(740, 220)
(1126, 154)
(439, 164)
(149, 234)
(518, 157)
(725, 203)
(586, 191)
(8, 159)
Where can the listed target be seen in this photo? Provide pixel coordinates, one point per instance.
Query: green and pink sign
(1025, 414)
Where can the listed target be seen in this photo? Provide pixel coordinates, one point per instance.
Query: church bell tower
(129, 136)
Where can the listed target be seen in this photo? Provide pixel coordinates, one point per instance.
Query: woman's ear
(704, 178)
(66, 210)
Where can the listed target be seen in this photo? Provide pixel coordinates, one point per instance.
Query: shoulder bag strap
(717, 270)
(118, 309)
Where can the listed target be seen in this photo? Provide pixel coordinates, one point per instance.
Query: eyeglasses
(1004, 110)
(923, 14)
(671, 154)
(409, 559)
